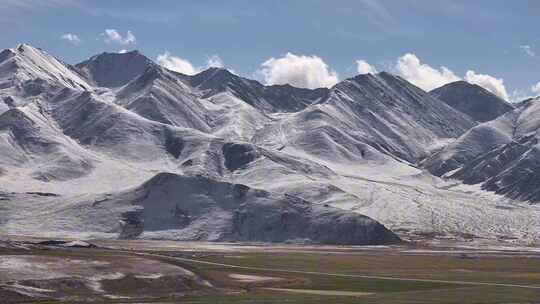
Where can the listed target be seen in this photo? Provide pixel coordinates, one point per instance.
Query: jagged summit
(114, 69)
(27, 73)
(418, 121)
(26, 63)
(273, 98)
(22, 47)
(377, 80)
(215, 78)
(473, 100)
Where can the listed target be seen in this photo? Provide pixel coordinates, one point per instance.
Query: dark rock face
(34, 87)
(174, 145)
(473, 100)
(132, 224)
(6, 54)
(113, 69)
(238, 155)
(198, 208)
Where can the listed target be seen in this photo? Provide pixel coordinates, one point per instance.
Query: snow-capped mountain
(205, 209)
(473, 100)
(118, 146)
(502, 155)
(27, 73)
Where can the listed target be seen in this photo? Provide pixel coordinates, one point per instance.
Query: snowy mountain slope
(405, 120)
(209, 210)
(354, 147)
(476, 141)
(160, 95)
(369, 117)
(177, 207)
(27, 72)
(168, 97)
(113, 69)
(501, 154)
(101, 126)
(276, 98)
(473, 100)
(29, 140)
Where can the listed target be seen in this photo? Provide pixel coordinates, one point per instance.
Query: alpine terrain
(118, 146)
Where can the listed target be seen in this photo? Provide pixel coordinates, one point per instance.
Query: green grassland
(331, 271)
(505, 270)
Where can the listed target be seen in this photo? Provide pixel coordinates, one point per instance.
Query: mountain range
(118, 146)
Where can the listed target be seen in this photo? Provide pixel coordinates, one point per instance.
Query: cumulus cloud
(410, 67)
(365, 68)
(184, 66)
(527, 49)
(71, 38)
(490, 83)
(113, 36)
(176, 64)
(536, 88)
(214, 61)
(424, 76)
(298, 70)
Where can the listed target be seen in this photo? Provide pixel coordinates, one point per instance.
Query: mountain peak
(22, 49)
(372, 80)
(27, 50)
(368, 77)
(27, 63)
(473, 100)
(116, 54)
(465, 85)
(215, 78)
(25, 47)
(6, 54)
(214, 72)
(114, 69)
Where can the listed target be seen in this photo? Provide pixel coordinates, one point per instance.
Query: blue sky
(307, 43)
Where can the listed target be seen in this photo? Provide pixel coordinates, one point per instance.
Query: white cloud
(214, 61)
(490, 83)
(71, 38)
(298, 70)
(364, 68)
(122, 51)
(536, 88)
(113, 36)
(428, 78)
(424, 76)
(184, 66)
(527, 49)
(176, 64)
(520, 95)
